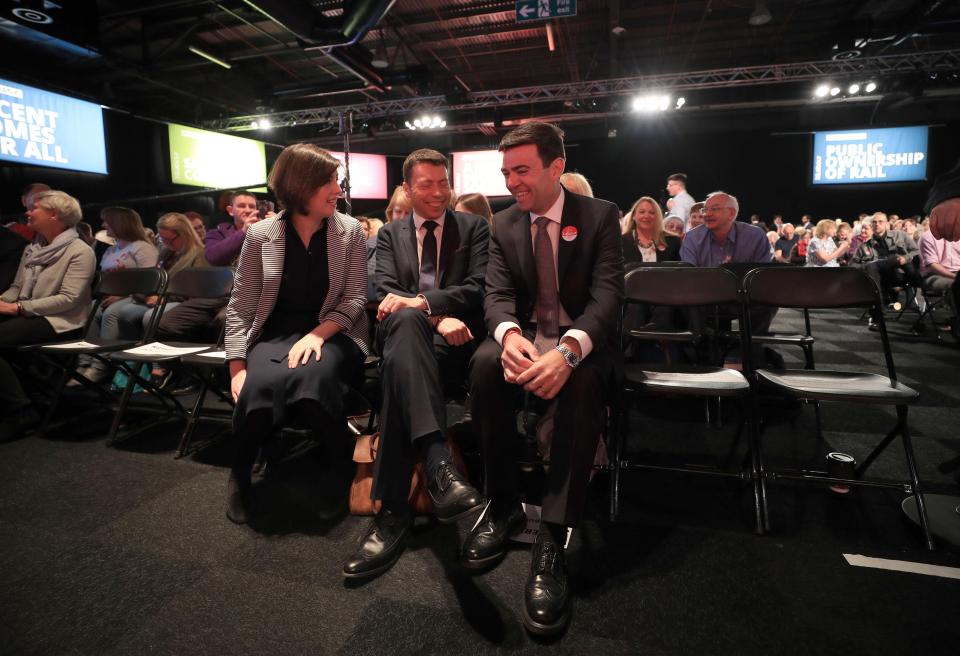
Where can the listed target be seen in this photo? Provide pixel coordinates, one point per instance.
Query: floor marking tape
(903, 566)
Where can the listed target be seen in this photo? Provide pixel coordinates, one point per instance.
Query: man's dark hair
(678, 177)
(240, 192)
(546, 137)
(423, 156)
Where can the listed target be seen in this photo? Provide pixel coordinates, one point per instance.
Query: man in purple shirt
(222, 245)
(721, 239)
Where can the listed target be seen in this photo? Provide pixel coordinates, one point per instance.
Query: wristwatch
(573, 360)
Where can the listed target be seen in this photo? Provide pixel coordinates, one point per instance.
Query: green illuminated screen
(210, 159)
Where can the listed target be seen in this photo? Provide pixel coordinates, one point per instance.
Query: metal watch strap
(569, 356)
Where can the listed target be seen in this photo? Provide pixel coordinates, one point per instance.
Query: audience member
(939, 263)
(11, 249)
(475, 204)
(682, 201)
(222, 244)
(296, 327)
(576, 303)
(132, 249)
(784, 245)
(696, 216)
(822, 249)
(645, 239)
(799, 253)
(673, 225)
(26, 199)
(49, 298)
(890, 257)
(576, 183)
(431, 318)
(198, 223)
(399, 205)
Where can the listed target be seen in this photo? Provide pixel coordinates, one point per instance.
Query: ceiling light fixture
(761, 14)
(551, 46)
(853, 89)
(821, 91)
(871, 87)
(209, 57)
(426, 122)
(834, 91)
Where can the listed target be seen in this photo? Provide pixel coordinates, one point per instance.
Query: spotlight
(681, 101)
(853, 89)
(651, 103)
(426, 122)
(821, 91)
(254, 125)
(834, 91)
(761, 14)
(264, 124)
(871, 87)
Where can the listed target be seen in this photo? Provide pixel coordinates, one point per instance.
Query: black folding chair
(823, 288)
(685, 287)
(66, 354)
(193, 282)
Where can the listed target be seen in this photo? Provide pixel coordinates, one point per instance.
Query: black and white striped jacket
(260, 270)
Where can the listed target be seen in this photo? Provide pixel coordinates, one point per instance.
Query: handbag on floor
(365, 455)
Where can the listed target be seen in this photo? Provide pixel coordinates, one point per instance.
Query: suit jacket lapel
(448, 246)
(408, 248)
(565, 248)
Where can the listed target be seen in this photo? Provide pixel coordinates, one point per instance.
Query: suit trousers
(193, 319)
(578, 422)
(416, 364)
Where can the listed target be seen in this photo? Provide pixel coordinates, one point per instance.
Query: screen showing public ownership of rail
(870, 155)
(46, 129)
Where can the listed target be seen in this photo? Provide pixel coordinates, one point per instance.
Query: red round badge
(569, 233)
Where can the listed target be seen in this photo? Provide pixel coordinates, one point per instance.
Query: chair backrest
(813, 287)
(680, 285)
(124, 282)
(202, 282)
(741, 269)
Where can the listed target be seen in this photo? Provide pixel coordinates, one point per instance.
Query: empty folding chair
(122, 283)
(693, 288)
(836, 288)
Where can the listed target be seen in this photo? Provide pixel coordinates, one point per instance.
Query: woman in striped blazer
(296, 331)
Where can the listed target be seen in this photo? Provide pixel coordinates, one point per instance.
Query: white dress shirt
(555, 214)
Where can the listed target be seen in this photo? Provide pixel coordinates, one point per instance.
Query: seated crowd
(516, 307)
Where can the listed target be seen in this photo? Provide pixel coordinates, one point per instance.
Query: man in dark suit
(429, 280)
(554, 288)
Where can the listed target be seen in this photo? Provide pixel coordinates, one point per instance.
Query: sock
(556, 533)
(434, 451)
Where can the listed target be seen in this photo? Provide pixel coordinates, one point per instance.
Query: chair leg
(121, 410)
(819, 421)
(192, 419)
(914, 476)
(68, 367)
(884, 443)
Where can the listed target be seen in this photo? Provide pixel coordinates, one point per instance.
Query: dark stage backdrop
(769, 172)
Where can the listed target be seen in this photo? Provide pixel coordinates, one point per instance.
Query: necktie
(548, 327)
(428, 258)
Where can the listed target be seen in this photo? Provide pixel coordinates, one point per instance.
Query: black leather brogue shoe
(380, 547)
(452, 495)
(487, 542)
(546, 604)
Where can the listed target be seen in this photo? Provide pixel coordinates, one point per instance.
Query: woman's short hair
(577, 183)
(399, 197)
(477, 204)
(822, 227)
(630, 227)
(125, 223)
(66, 206)
(299, 171)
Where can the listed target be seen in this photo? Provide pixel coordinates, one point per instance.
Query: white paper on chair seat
(72, 345)
(214, 354)
(725, 376)
(161, 349)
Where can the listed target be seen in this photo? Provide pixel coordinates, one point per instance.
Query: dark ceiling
(384, 59)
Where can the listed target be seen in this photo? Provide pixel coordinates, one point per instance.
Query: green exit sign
(531, 10)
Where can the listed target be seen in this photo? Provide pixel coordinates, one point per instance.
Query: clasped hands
(543, 375)
(453, 331)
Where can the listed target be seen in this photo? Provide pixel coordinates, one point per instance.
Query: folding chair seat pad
(836, 385)
(693, 380)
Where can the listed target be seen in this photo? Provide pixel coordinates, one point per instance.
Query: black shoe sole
(546, 630)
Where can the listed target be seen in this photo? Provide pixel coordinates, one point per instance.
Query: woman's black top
(631, 253)
(305, 283)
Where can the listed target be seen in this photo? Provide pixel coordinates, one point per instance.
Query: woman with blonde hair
(577, 183)
(644, 239)
(822, 249)
(48, 300)
(399, 205)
